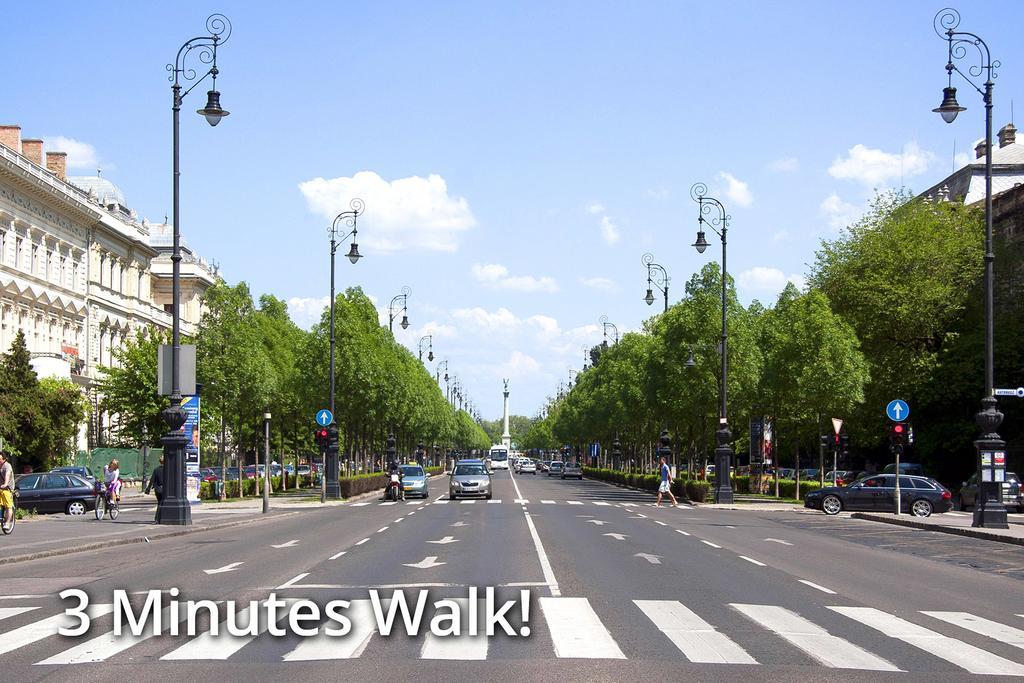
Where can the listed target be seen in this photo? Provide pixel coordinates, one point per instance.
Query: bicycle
(8, 527)
(105, 505)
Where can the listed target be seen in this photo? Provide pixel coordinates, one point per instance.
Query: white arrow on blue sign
(1018, 392)
(897, 410)
(324, 418)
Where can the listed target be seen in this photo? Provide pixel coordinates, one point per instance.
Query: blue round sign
(897, 410)
(324, 418)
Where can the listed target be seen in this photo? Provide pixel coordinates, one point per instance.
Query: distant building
(967, 185)
(79, 273)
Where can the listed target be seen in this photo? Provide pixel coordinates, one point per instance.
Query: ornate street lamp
(174, 508)
(430, 355)
(657, 277)
(345, 219)
(717, 218)
(393, 309)
(604, 329)
(990, 511)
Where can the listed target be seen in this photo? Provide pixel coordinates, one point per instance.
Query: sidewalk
(949, 523)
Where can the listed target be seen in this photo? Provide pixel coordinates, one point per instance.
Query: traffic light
(844, 444)
(320, 435)
(835, 443)
(824, 441)
(332, 437)
(898, 433)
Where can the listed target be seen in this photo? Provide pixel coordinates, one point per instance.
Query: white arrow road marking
(778, 540)
(287, 544)
(618, 537)
(653, 559)
(597, 522)
(445, 541)
(460, 524)
(293, 581)
(426, 563)
(226, 568)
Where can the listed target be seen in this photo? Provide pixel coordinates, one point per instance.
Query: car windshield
(412, 471)
(470, 469)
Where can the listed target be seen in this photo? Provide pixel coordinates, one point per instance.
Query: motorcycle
(395, 492)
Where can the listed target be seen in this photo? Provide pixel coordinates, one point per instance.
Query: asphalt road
(616, 589)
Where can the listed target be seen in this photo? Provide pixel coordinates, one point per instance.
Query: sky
(517, 159)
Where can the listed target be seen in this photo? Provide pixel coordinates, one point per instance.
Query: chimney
(32, 150)
(57, 164)
(1007, 135)
(10, 137)
(979, 150)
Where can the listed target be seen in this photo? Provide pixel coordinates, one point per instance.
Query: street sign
(897, 410)
(1018, 392)
(324, 417)
(837, 424)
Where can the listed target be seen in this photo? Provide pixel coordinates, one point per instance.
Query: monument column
(506, 438)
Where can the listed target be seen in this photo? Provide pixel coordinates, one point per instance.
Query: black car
(79, 471)
(920, 496)
(1010, 491)
(56, 492)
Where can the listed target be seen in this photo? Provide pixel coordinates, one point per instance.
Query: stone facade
(79, 274)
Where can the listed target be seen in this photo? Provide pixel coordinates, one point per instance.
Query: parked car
(231, 474)
(83, 472)
(209, 474)
(920, 496)
(842, 477)
(544, 465)
(56, 492)
(414, 481)
(304, 470)
(572, 469)
(1012, 496)
(809, 473)
(469, 478)
(911, 468)
(555, 468)
(786, 472)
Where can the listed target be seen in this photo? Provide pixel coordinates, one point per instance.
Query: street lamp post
(604, 329)
(345, 219)
(657, 277)
(430, 341)
(392, 310)
(174, 508)
(709, 206)
(266, 462)
(990, 511)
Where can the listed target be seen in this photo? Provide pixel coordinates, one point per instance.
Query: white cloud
(659, 192)
(519, 366)
(785, 165)
(840, 214)
(306, 311)
(780, 236)
(81, 155)
(599, 283)
(481, 320)
(609, 230)
(497, 276)
(736, 190)
(595, 208)
(874, 167)
(765, 279)
(961, 159)
(407, 213)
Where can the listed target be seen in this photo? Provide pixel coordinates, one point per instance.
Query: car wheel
(451, 496)
(921, 508)
(76, 507)
(831, 505)
(489, 496)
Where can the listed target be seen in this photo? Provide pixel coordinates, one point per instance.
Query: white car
(527, 466)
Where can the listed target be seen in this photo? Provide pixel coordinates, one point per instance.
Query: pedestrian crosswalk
(832, 636)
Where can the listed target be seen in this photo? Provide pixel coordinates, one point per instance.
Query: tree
(65, 407)
(129, 391)
(21, 414)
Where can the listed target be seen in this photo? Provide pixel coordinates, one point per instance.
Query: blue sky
(517, 159)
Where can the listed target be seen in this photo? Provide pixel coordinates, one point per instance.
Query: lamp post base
(174, 508)
(723, 467)
(990, 512)
(332, 489)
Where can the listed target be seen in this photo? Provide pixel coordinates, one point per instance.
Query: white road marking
(547, 502)
(428, 562)
(445, 541)
(817, 587)
(696, 639)
(382, 529)
(684, 533)
(441, 502)
(601, 502)
(753, 561)
(22, 597)
(337, 555)
(713, 545)
(629, 505)
(460, 523)
(466, 502)
(223, 645)
(460, 647)
(812, 639)
(286, 544)
(389, 502)
(576, 630)
(14, 611)
(993, 629)
(494, 502)
(574, 502)
(545, 564)
(778, 540)
(957, 652)
(293, 581)
(398, 520)
(521, 501)
(226, 568)
(44, 628)
(598, 522)
(362, 541)
(359, 505)
(322, 646)
(104, 646)
(618, 537)
(659, 522)
(653, 559)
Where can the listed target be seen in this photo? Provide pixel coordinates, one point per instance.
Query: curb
(958, 531)
(99, 545)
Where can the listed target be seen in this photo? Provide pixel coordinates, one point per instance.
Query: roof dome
(106, 192)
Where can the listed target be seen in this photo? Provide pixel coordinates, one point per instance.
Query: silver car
(469, 479)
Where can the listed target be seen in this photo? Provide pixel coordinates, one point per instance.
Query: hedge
(350, 486)
(692, 489)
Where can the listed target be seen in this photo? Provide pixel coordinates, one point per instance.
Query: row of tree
(251, 359)
(893, 309)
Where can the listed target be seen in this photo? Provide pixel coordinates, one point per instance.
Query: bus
(499, 458)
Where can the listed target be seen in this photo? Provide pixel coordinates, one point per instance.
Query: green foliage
(129, 390)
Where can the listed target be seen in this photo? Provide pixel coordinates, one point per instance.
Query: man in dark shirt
(156, 482)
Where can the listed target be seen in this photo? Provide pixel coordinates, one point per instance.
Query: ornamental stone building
(79, 273)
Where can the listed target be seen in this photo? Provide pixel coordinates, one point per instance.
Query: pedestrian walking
(666, 484)
(156, 482)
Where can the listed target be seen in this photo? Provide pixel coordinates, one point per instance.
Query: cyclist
(112, 478)
(6, 488)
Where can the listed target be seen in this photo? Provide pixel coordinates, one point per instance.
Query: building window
(18, 244)
(138, 292)
(34, 264)
(3, 246)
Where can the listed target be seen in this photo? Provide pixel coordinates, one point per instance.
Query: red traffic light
(897, 429)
